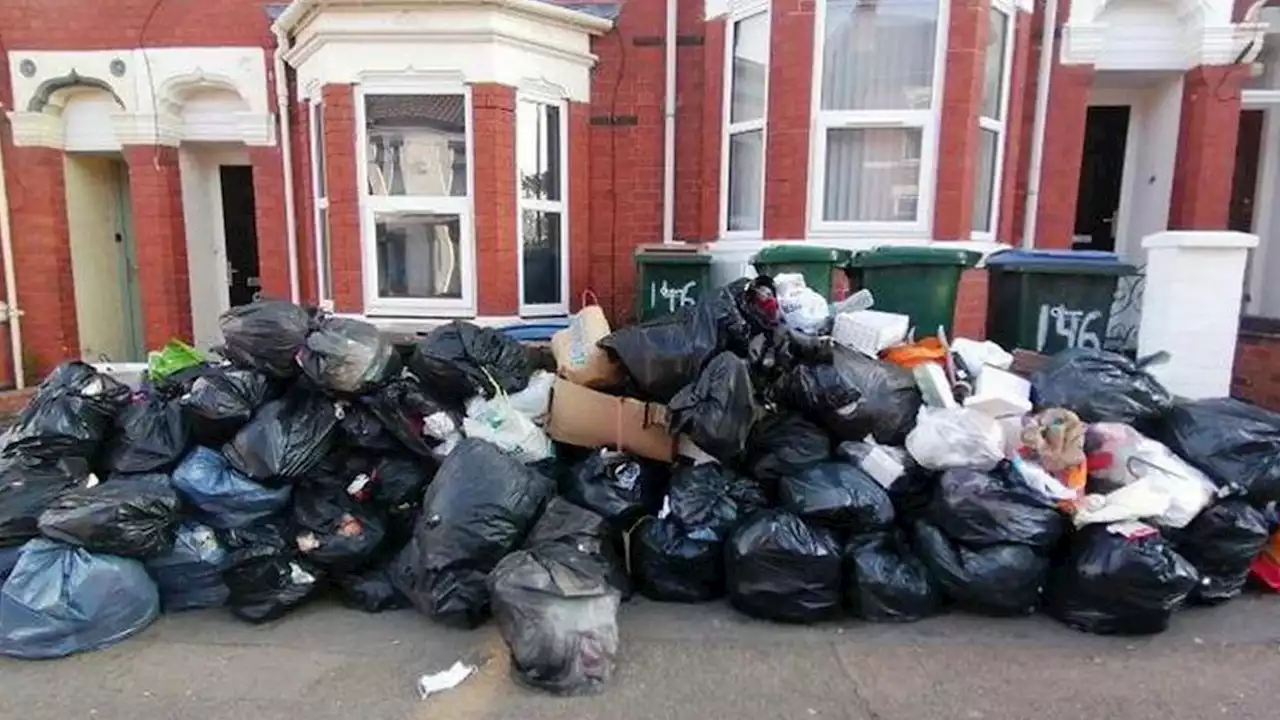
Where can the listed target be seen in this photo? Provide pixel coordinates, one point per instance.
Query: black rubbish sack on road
(480, 506)
(220, 402)
(779, 568)
(348, 356)
(371, 590)
(458, 361)
(718, 410)
(620, 487)
(265, 335)
(222, 496)
(979, 509)
(911, 487)
(558, 616)
(885, 581)
(1233, 442)
(61, 600)
(424, 426)
(189, 575)
(855, 396)
(1099, 387)
(998, 580)
(672, 563)
(577, 527)
(839, 495)
(1120, 579)
(150, 436)
(333, 530)
(129, 517)
(70, 415)
(28, 486)
(783, 445)
(285, 440)
(1220, 543)
(264, 575)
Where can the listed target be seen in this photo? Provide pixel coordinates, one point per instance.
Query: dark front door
(1101, 172)
(241, 231)
(1245, 182)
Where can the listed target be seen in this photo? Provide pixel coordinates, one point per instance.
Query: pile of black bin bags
(319, 458)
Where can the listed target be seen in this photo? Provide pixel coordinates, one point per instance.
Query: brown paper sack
(578, 359)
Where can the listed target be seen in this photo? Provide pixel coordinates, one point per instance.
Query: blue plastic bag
(225, 498)
(61, 600)
(189, 576)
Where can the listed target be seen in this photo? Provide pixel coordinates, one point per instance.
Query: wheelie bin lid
(673, 254)
(1061, 262)
(801, 253)
(891, 256)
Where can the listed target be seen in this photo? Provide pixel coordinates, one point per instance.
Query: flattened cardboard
(588, 418)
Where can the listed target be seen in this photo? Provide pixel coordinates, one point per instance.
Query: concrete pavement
(325, 662)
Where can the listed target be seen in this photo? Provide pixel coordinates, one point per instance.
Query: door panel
(1101, 175)
(240, 225)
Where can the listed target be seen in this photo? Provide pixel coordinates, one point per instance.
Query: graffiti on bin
(1076, 327)
(676, 297)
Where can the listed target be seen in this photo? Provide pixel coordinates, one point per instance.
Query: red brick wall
(1205, 163)
(1256, 376)
(580, 203)
(494, 154)
(300, 129)
(971, 306)
(1017, 152)
(268, 206)
(344, 197)
(692, 105)
(1063, 147)
(80, 25)
(713, 80)
(155, 191)
(958, 135)
(787, 136)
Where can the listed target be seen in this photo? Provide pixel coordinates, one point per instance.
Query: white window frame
(743, 10)
(372, 205)
(927, 121)
(560, 207)
(1001, 126)
(320, 205)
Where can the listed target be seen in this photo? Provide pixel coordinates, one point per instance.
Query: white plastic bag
(497, 421)
(534, 402)
(1134, 457)
(802, 308)
(955, 438)
(1142, 500)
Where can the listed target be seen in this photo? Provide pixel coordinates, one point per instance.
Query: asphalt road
(325, 662)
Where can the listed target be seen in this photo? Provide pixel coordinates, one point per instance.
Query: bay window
(416, 200)
(541, 158)
(742, 170)
(320, 205)
(997, 64)
(875, 125)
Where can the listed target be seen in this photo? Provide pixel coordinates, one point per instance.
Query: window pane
(317, 150)
(878, 54)
(993, 67)
(750, 67)
(746, 163)
(538, 151)
(326, 269)
(542, 252)
(419, 256)
(417, 145)
(984, 192)
(873, 174)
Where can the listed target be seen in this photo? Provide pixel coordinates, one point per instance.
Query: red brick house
(412, 160)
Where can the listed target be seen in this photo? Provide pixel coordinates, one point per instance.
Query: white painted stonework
(1191, 308)
(1154, 34)
(103, 99)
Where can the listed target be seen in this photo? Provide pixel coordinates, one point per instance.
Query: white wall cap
(1203, 239)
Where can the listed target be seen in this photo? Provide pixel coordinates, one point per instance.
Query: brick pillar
(305, 208)
(1013, 192)
(497, 244)
(961, 104)
(1206, 155)
(791, 81)
(1063, 149)
(155, 189)
(692, 57)
(344, 197)
(579, 239)
(713, 80)
(268, 205)
(42, 257)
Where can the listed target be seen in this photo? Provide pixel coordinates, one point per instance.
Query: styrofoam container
(998, 393)
(870, 331)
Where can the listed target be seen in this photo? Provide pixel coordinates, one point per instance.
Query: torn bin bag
(1221, 543)
(779, 568)
(1233, 442)
(348, 356)
(61, 600)
(620, 487)
(980, 509)
(1120, 579)
(718, 410)
(420, 423)
(150, 436)
(285, 440)
(559, 617)
(130, 517)
(189, 575)
(999, 580)
(265, 576)
(458, 361)
(28, 486)
(480, 506)
(333, 530)
(885, 581)
(70, 415)
(838, 495)
(1099, 387)
(265, 335)
(221, 401)
(224, 497)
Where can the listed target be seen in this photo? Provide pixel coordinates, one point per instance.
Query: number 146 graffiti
(676, 297)
(1077, 328)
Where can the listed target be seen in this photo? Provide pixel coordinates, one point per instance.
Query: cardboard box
(588, 418)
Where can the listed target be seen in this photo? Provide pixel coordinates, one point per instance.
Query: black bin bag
(348, 356)
(779, 568)
(29, 485)
(265, 577)
(220, 402)
(480, 507)
(61, 600)
(577, 527)
(855, 396)
(265, 335)
(1220, 543)
(559, 617)
(718, 410)
(1233, 442)
(410, 414)
(333, 530)
(458, 361)
(189, 575)
(130, 517)
(839, 495)
(885, 581)
(784, 444)
(998, 580)
(360, 428)
(70, 415)
(286, 439)
(619, 486)
(980, 509)
(1120, 579)
(150, 436)
(1099, 387)
(371, 590)
(223, 497)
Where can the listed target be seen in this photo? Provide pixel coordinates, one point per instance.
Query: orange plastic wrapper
(1266, 567)
(920, 352)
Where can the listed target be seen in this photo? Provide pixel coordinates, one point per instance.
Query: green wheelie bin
(669, 277)
(920, 282)
(823, 268)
